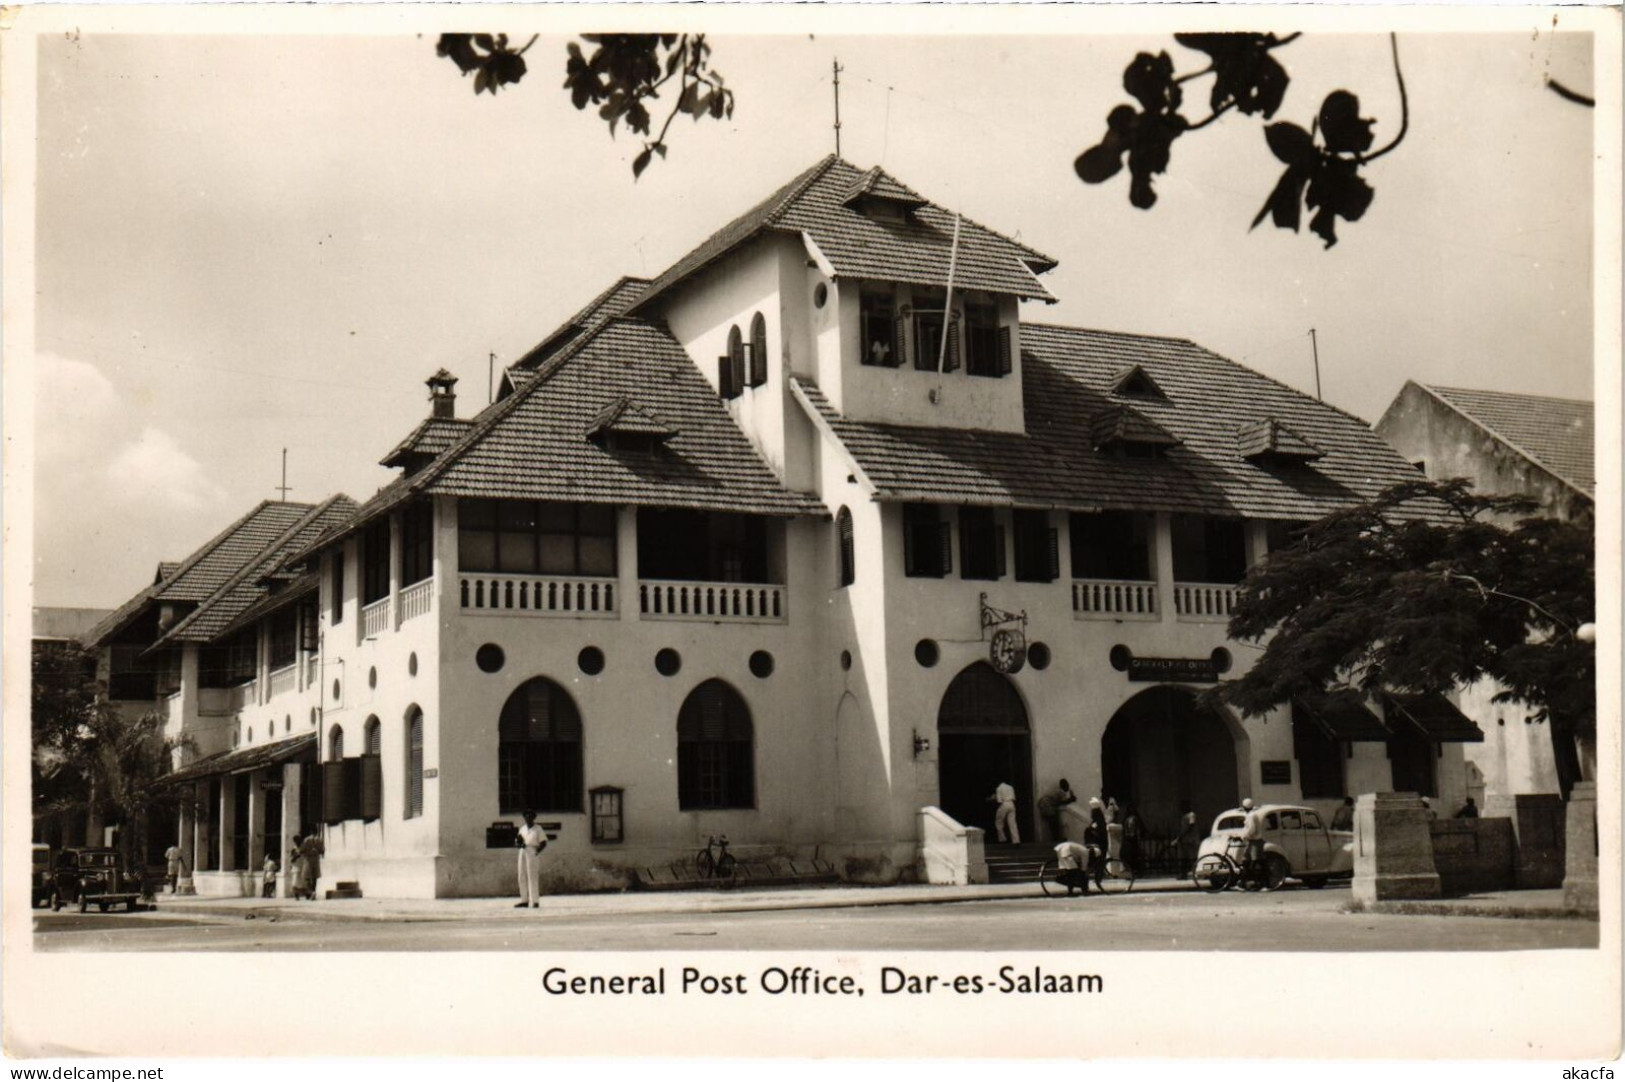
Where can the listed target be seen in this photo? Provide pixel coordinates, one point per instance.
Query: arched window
(372, 769)
(414, 763)
(715, 767)
(374, 737)
(731, 379)
(849, 556)
(539, 750)
(335, 744)
(758, 350)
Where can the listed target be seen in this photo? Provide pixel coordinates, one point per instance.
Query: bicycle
(1110, 877)
(1216, 872)
(714, 861)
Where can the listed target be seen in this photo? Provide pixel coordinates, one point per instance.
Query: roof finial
(837, 68)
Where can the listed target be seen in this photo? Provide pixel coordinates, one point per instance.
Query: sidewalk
(1502, 903)
(736, 900)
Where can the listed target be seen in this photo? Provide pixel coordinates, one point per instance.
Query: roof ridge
(1519, 448)
(237, 578)
(1587, 402)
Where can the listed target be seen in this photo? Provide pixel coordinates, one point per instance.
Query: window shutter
(332, 779)
(736, 377)
(758, 358)
(998, 552)
(372, 787)
(1054, 554)
(946, 537)
(899, 354)
(950, 363)
(1004, 351)
(725, 376)
(910, 529)
(848, 549)
(351, 773)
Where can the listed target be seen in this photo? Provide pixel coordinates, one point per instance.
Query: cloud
(156, 465)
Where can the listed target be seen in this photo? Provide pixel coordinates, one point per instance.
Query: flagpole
(948, 307)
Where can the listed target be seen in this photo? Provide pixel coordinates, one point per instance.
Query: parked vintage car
(1297, 843)
(92, 877)
(42, 874)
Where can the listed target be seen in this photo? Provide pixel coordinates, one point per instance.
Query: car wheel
(1275, 871)
(101, 907)
(1316, 883)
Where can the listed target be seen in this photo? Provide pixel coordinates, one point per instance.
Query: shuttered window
(417, 542)
(981, 544)
(927, 542)
(736, 363)
(928, 335)
(335, 743)
(539, 750)
(1038, 557)
(372, 775)
(375, 561)
(284, 637)
(982, 340)
(843, 529)
(1005, 351)
(758, 350)
(880, 342)
(1111, 545)
(414, 763)
(715, 760)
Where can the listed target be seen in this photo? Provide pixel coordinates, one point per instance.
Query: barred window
(715, 761)
(843, 529)
(539, 750)
(414, 763)
(335, 744)
(758, 350)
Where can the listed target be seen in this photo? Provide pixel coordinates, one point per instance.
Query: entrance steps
(347, 889)
(1016, 863)
(751, 872)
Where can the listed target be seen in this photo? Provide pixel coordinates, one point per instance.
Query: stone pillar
(1162, 564)
(626, 562)
(187, 844)
(228, 824)
(1393, 848)
(1537, 827)
(1580, 848)
(256, 823)
(292, 775)
(394, 571)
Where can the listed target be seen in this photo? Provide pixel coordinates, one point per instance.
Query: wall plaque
(431, 772)
(1275, 771)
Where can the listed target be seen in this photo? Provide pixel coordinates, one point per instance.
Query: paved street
(1294, 920)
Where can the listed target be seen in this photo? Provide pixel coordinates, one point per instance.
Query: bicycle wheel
(1252, 876)
(1049, 878)
(1116, 878)
(1275, 871)
(705, 865)
(1213, 873)
(725, 866)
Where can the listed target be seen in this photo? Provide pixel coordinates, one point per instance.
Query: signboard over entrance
(1157, 670)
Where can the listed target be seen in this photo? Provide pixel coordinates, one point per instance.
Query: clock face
(1008, 651)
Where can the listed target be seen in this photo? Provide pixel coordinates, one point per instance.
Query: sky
(251, 243)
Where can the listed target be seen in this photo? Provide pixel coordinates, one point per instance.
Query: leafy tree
(1427, 586)
(88, 757)
(621, 76)
(1322, 164)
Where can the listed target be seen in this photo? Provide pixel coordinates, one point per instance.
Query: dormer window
(624, 425)
(1136, 382)
(1270, 440)
(876, 195)
(878, 329)
(1123, 431)
(988, 344)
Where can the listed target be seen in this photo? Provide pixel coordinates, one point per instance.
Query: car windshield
(1231, 822)
(97, 860)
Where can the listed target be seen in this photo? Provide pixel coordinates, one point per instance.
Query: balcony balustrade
(416, 598)
(240, 696)
(1204, 602)
(721, 602)
(538, 595)
(282, 681)
(1113, 599)
(375, 618)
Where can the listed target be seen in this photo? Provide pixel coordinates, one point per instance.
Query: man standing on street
(532, 840)
(1253, 832)
(172, 867)
(1343, 818)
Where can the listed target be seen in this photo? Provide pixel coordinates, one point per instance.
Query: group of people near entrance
(1112, 834)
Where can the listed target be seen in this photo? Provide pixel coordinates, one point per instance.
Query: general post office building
(812, 541)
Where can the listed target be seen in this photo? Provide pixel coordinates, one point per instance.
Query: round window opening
(668, 661)
(761, 664)
(926, 652)
(372, 677)
(820, 295)
(846, 660)
(335, 691)
(1221, 659)
(1038, 655)
(490, 658)
(590, 660)
(412, 665)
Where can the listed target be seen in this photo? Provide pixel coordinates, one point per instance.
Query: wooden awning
(1436, 717)
(1342, 715)
(243, 760)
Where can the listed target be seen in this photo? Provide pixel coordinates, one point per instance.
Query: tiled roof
(298, 586)
(211, 566)
(1271, 437)
(166, 569)
(624, 415)
(217, 612)
(1119, 424)
(612, 302)
(244, 759)
(875, 184)
(1557, 434)
(431, 437)
(533, 444)
(1068, 375)
(914, 250)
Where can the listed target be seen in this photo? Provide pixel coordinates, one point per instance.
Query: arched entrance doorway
(983, 739)
(1164, 755)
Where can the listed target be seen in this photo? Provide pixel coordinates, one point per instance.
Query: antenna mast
(490, 379)
(283, 487)
(1315, 345)
(837, 68)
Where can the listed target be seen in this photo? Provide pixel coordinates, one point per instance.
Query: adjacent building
(811, 540)
(1508, 445)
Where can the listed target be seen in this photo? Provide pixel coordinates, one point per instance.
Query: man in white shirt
(1004, 820)
(1253, 831)
(532, 840)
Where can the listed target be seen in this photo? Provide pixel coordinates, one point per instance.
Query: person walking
(172, 867)
(1252, 832)
(1187, 842)
(532, 840)
(1343, 818)
(1095, 837)
(1051, 803)
(1004, 820)
(311, 853)
(268, 885)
